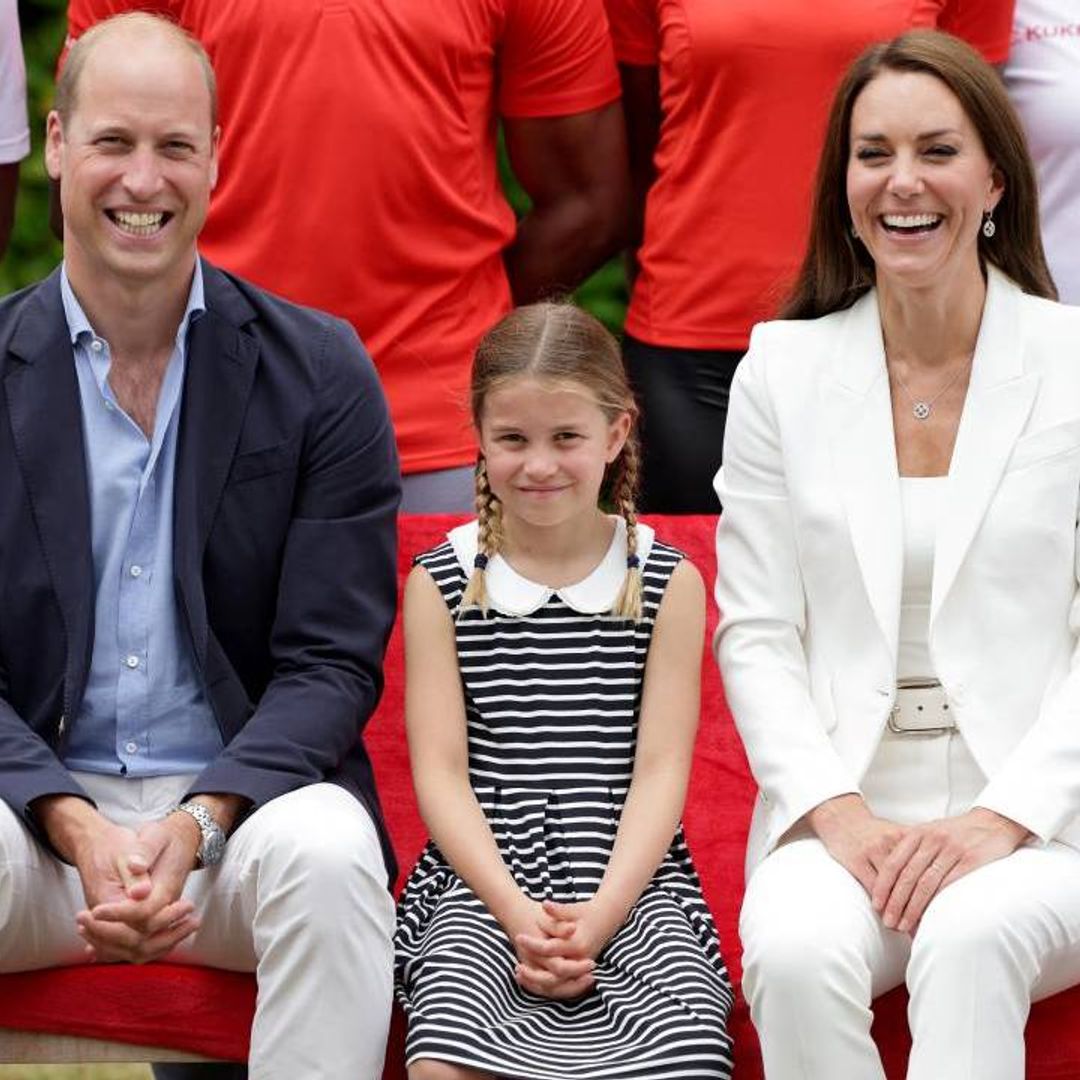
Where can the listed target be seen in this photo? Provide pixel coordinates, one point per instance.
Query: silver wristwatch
(212, 846)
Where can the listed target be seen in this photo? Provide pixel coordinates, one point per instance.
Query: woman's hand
(934, 855)
(855, 838)
(550, 962)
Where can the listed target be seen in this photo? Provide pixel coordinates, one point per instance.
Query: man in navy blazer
(198, 489)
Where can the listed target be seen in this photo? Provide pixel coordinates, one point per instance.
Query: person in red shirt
(726, 107)
(14, 133)
(359, 176)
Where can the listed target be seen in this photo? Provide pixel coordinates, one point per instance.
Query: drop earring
(988, 226)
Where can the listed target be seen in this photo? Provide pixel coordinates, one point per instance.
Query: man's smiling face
(136, 160)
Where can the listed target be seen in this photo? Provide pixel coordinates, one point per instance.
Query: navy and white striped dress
(552, 687)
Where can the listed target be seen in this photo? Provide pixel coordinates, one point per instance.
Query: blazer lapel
(857, 404)
(999, 400)
(221, 364)
(42, 396)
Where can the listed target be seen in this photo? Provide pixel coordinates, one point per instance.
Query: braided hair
(556, 342)
(489, 539)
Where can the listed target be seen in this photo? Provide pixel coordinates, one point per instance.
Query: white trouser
(299, 898)
(815, 953)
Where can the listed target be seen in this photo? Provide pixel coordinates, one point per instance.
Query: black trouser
(683, 394)
(188, 1071)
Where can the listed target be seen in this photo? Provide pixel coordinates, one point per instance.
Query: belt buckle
(916, 704)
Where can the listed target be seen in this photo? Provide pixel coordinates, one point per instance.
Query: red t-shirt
(358, 167)
(745, 90)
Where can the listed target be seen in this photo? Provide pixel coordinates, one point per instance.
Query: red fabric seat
(209, 1012)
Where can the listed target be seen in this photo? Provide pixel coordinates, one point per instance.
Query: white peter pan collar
(513, 594)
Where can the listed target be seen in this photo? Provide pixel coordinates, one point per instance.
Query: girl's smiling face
(546, 447)
(918, 180)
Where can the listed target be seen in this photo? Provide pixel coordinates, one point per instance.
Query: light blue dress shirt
(144, 712)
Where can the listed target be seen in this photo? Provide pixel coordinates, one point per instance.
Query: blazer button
(61, 727)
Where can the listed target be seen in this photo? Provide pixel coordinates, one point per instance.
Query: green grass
(74, 1072)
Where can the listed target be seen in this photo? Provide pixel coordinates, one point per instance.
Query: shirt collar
(512, 594)
(79, 324)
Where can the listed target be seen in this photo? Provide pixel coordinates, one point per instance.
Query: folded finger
(924, 860)
(156, 946)
(169, 916)
(134, 870)
(890, 869)
(925, 890)
(562, 928)
(109, 941)
(541, 946)
(146, 917)
(565, 968)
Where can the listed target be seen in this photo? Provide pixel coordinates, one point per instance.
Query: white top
(1043, 79)
(921, 500)
(14, 128)
(513, 594)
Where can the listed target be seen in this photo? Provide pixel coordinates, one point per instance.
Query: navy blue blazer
(287, 487)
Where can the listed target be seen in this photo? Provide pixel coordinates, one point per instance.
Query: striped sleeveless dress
(552, 686)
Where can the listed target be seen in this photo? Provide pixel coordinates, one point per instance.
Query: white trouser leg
(814, 956)
(301, 897)
(39, 897)
(988, 944)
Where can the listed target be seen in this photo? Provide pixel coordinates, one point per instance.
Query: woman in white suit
(898, 587)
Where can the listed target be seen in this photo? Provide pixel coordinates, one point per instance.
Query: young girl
(554, 927)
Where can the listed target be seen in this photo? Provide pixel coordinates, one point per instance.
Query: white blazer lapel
(998, 402)
(857, 403)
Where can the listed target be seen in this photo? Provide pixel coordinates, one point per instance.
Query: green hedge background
(33, 251)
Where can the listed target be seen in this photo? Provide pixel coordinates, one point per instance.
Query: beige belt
(921, 709)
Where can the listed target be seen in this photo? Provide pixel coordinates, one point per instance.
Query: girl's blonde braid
(628, 602)
(488, 540)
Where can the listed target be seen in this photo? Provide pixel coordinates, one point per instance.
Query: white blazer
(809, 562)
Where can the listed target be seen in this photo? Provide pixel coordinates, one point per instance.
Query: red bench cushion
(209, 1012)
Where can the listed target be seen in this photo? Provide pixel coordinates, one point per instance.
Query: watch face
(212, 847)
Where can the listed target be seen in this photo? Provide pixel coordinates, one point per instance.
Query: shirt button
(132, 661)
(96, 345)
(131, 747)
(136, 571)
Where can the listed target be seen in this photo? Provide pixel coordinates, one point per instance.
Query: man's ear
(54, 144)
(215, 143)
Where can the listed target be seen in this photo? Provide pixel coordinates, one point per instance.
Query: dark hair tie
(481, 561)
(632, 562)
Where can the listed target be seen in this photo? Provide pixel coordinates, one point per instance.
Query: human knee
(958, 935)
(16, 856)
(323, 840)
(791, 959)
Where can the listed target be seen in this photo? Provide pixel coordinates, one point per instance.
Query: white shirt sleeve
(14, 128)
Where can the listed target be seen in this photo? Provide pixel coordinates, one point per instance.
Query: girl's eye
(567, 436)
(942, 150)
(870, 153)
(511, 437)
